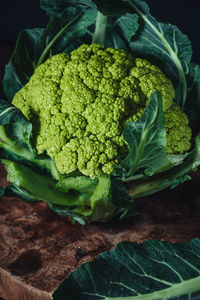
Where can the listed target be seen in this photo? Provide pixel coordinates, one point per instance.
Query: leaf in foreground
(152, 270)
(146, 139)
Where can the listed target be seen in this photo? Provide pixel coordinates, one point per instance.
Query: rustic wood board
(38, 249)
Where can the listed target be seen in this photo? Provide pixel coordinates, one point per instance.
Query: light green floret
(80, 102)
(178, 132)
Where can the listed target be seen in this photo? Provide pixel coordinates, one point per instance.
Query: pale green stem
(100, 29)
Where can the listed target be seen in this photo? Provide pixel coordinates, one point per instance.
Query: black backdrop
(16, 15)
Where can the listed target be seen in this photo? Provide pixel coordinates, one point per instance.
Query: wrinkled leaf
(153, 270)
(121, 199)
(54, 8)
(23, 61)
(16, 130)
(146, 139)
(35, 45)
(129, 25)
(120, 196)
(10, 113)
(193, 95)
(160, 181)
(165, 44)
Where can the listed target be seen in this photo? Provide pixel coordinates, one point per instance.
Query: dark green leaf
(35, 45)
(19, 132)
(120, 197)
(153, 270)
(54, 8)
(147, 186)
(23, 61)
(10, 113)
(146, 139)
(179, 180)
(16, 130)
(16, 191)
(114, 40)
(165, 44)
(195, 155)
(64, 211)
(63, 33)
(193, 96)
(112, 7)
(129, 25)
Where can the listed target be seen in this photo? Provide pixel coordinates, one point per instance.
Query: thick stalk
(158, 182)
(41, 187)
(100, 29)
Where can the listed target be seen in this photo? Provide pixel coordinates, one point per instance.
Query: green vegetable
(79, 104)
(153, 270)
(98, 115)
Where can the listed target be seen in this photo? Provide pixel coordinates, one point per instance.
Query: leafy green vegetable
(153, 270)
(147, 166)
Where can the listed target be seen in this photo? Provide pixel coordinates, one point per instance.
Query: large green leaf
(15, 130)
(16, 143)
(141, 186)
(55, 8)
(35, 45)
(193, 95)
(146, 139)
(23, 61)
(10, 113)
(165, 44)
(153, 270)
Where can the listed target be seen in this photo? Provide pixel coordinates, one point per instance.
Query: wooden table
(38, 249)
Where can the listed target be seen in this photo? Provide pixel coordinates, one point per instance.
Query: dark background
(16, 15)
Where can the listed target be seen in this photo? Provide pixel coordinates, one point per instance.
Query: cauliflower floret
(178, 132)
(80, 102)
(89, 155)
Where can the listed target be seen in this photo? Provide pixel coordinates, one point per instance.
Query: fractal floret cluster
(79, 104)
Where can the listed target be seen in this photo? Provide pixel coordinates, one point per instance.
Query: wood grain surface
(38, 249)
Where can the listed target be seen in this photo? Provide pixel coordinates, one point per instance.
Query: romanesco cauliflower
(79, 104)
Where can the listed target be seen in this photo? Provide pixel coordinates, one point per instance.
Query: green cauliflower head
(79, 104)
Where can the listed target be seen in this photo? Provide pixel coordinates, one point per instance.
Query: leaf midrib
(179, 289)
(52, 42)
(172, 53)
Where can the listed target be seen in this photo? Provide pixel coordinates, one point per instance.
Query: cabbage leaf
(153, 270)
